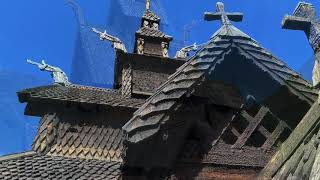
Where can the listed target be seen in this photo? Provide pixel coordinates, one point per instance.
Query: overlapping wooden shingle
(33, 165)
(193, 73)
(79, 94)
(148, 32)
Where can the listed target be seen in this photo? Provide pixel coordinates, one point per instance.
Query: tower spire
(148, 5)
(149, 39)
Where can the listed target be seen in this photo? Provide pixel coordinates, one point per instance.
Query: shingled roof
(32, 165)
(144, 31)
(151, 16)
(157, 109)
(79, 94)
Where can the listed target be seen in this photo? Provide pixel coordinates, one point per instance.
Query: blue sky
(47, 29)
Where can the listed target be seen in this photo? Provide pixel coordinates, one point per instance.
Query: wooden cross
(148, 5)
(304, 18)
(220, 14)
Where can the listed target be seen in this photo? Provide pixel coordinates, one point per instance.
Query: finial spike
(148, 5)
(220, 7)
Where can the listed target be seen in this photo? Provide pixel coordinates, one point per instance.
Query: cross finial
(220, 14)
(148, 5)
(304, 18)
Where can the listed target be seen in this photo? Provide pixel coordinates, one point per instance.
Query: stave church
(225, 110)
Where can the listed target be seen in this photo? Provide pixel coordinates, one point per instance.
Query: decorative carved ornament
(140, 46)
(165, 49)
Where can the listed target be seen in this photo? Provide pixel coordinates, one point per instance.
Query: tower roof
(149, 38)
(149, 15)
(152, 33)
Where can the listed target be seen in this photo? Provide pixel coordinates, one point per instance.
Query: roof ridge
(232, 31)
(17, 155)
(148, 14)
(289, 71)
(191, 72)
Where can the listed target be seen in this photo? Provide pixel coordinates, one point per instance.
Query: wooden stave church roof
(297, 82)
(190, 75)
(79, 94)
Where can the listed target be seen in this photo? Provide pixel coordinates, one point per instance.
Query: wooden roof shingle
(157, 109)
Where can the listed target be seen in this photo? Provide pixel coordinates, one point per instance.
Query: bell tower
(149, 39)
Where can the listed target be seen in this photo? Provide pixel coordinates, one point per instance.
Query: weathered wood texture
(38, 166)
(295, 144)
(87, 135)
(148, 72)
(243, 139)
(153, 48)
(148, 81)
(224, 154)
(301, 163)
(91, 137)
(152, 36)
(56, 96)
(126, 85)
(47, 133)
(193, 171)
(162, 151)
(192, 74)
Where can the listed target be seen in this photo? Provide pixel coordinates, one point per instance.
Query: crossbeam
(220, 14)
(254, 123)
(304, 18)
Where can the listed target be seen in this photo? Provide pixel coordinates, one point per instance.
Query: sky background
(47, 29)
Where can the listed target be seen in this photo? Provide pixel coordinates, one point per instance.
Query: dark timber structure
(219, 115)
(299, 156)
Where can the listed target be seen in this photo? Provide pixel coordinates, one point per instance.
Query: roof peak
(233, 32)
(149, 15)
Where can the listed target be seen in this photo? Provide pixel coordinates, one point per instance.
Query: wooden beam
(305, 127)
(235, 132)
(274, 136)
(264, 131)
(254, 123)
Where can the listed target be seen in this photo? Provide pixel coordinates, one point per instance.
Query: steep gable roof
(156, 111)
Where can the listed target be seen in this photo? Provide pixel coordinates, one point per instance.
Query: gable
(193, 73)
(149, 120)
